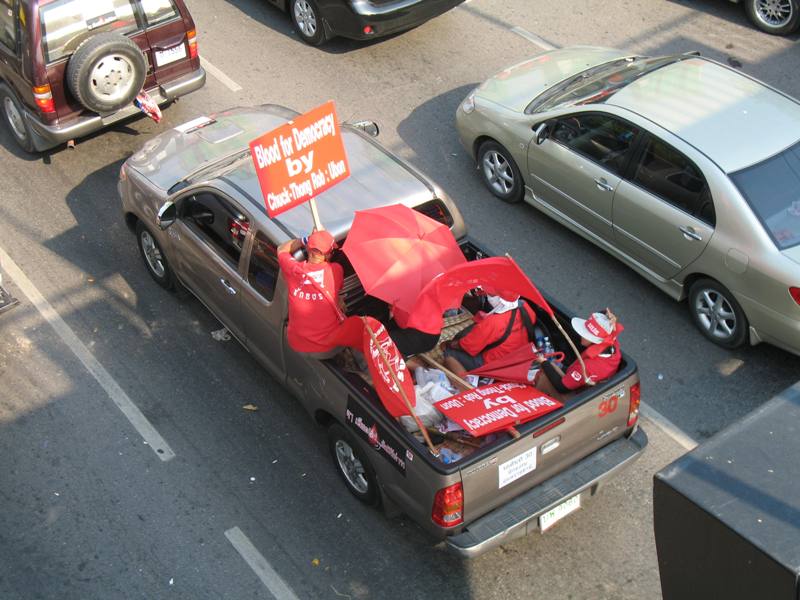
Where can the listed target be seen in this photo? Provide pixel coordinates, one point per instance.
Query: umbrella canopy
(396, 251)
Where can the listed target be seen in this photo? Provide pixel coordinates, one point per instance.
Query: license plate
(170, 55)
(551, 517)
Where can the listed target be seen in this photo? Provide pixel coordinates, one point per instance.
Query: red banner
(300, 159)
(490, 408)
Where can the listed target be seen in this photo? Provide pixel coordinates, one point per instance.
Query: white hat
(595, 329)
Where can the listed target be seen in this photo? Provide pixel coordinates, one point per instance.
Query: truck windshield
(599, 83)
(772, 189)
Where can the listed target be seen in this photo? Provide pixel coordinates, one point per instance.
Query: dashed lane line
(273, 582)
(118, 396)
(220, 75)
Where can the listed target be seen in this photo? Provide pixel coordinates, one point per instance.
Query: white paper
(518, 466)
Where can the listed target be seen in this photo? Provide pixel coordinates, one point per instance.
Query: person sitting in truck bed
(495, 334)
(315, 311)
(602, 356)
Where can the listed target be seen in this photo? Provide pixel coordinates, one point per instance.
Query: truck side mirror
(166, 215)
(542, 131)
(368, 127)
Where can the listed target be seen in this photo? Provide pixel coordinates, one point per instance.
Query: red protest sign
(385, 385)
(300, 159)
(490, 408)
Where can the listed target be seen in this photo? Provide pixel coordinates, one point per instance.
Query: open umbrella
(396, 251)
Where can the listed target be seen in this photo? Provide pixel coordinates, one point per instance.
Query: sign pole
(315, 214)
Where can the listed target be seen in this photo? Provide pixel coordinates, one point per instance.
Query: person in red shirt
(601, 357)
(505, 328)
(315, 311)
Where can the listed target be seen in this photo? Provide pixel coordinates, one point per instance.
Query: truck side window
(262, 273)
(8, 28)
(218, 222)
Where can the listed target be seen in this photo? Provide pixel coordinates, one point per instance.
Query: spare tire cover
(106, 72)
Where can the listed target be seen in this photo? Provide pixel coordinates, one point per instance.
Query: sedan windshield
(598, 83)
(772, 189)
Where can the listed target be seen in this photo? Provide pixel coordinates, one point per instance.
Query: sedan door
(664, 215)
(578, 168)
(209, 236)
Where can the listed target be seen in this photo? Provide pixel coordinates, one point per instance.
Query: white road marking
(533, 38)
(218, 74)
(103, 377)
(276, 586)
(668, 427)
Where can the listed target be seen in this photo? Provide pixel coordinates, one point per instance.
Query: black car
(319, 20)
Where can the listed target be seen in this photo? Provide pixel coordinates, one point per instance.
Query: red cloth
(598, 368)
(491, 328)
(313, 317)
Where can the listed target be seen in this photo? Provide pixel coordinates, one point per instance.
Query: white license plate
(551, 517)
(164, 57)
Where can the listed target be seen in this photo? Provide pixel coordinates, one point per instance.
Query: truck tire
(106, 72)
(15, 119)
(154, 258)
(353, 466)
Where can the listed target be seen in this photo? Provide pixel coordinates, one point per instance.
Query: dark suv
(71, 67)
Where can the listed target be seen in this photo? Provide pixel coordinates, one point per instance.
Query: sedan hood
(515, 87)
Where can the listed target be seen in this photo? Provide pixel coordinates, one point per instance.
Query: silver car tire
(307, 22)
(499, 173)
(777, 17)
(154, 258)
(717, 314)
(15, 119)
(353, 467)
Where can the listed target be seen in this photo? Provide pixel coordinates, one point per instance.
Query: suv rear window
(66, 23)
(158, 11)
(772, 189)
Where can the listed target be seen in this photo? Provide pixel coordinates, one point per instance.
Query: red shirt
(490, 329)
(598, 368)
(312, 316)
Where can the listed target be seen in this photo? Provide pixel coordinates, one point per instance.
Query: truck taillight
(794, 292)
(191, 39)
(448, 506)
(44, 98)
(633, 410)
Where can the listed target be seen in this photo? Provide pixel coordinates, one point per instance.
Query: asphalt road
(91, 511)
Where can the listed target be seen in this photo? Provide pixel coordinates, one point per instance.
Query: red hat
(321, 241)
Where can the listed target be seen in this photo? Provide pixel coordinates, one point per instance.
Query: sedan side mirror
(542, 131)
(166, 215)
(368, 127)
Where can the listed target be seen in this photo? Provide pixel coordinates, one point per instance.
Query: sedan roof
(734, 120)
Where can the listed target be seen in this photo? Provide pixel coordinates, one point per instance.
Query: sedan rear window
(66, 23)
(772, 189)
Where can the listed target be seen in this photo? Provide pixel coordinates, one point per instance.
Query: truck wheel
(15, 118)
(352, 465)
(717, 313)
(499, 172)
(154, 258)
(106, 72)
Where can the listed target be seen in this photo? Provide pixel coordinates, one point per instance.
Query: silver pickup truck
(193, 200)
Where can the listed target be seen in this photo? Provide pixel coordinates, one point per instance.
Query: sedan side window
(218, 223)
(668, 174)
(600, 138)
(262, 273)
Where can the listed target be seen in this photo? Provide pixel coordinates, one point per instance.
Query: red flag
(499, 275)
(512, 367)
(382, 380)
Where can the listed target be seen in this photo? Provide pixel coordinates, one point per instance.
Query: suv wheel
(778, 17)
(352, 465)
(106, 72)
(717, 313)
(499, 172)
(307, 22)
(154, 258)
(15, 117)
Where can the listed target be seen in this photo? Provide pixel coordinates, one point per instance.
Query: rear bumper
(385, 18)
(521, 515)
(47, 136)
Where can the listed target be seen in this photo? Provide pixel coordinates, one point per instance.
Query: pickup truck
(192, 198)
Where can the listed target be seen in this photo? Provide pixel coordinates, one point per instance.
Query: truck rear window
(66, 23)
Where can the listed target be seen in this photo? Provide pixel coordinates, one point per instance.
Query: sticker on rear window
(520, 465)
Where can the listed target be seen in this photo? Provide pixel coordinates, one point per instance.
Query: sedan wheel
(779, 17)
(154, 258)
(717, 314)
(499, 172)
(308, 21)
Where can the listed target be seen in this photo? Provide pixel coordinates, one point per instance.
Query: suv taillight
(633, 410)
(794, 292)
(44, 98)
(191, 39)
(448, 506)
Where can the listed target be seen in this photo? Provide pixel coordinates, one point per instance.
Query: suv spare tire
(106, 72)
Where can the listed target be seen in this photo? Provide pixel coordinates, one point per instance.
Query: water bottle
(449, 456)
(548, 347)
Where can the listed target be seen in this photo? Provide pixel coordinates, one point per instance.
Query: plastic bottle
(448, 456)
(548, 347)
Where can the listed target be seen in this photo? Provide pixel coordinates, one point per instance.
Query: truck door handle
(603, 185)
(228, 287)
(690, 234)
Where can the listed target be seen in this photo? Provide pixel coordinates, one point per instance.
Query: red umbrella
(396, 251)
